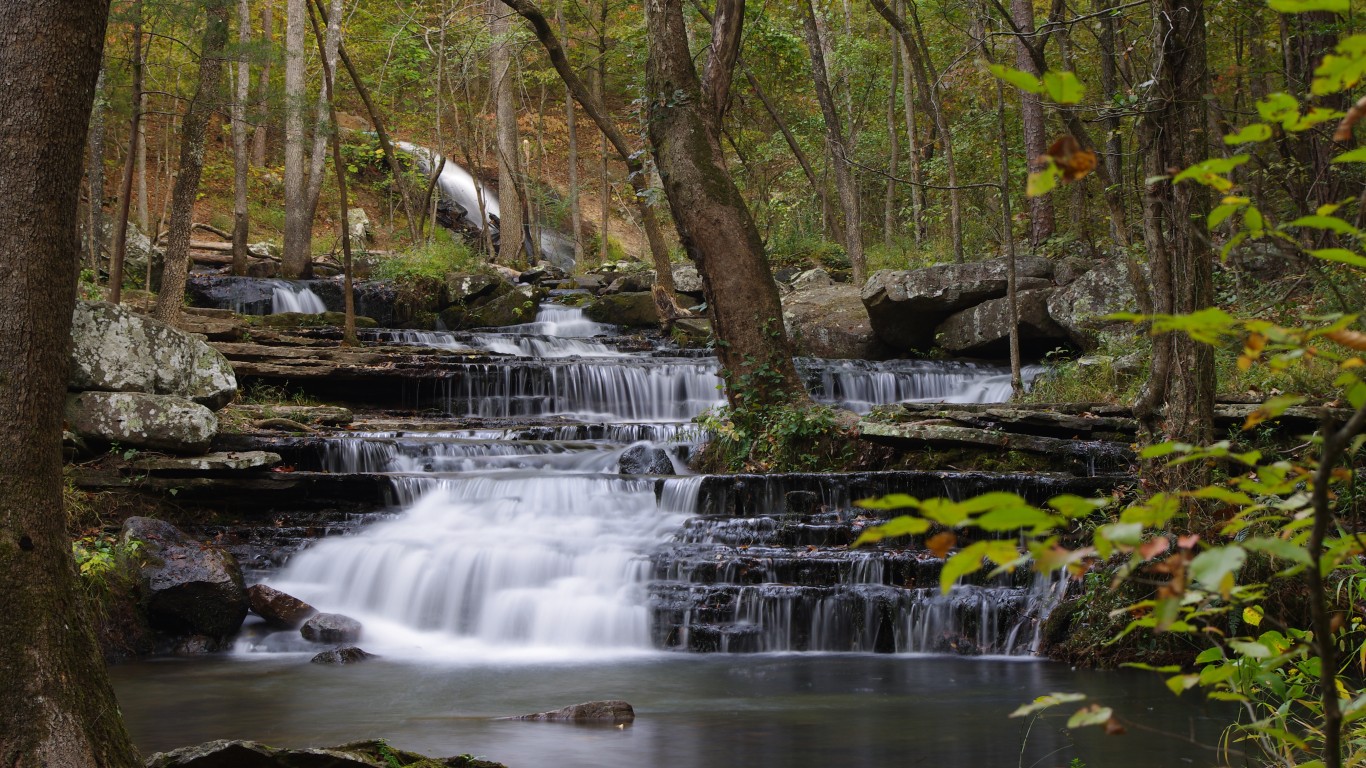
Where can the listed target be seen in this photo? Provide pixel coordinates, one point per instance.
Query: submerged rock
(331, 628)
(136, 420)
(115, 350)
(278, 609)
(349, 655)
(614, 711)
(187, 587)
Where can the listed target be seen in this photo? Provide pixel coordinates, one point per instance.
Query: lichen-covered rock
(633, 310)
(829, 320)
(135, 420)
(349, 655)
(187, 588)
(542, 273)
(1103, 290)
(516, 306)
(905, 306)
(464, 288)
(232, 461)
(613, 711)
(115, 350)
(687, 279)
(331, 628)
(812, 278)
(358, 227)
(984, 330)
(692, 331)
(279, 609)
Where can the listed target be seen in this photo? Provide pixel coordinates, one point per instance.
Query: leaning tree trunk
(713, 222)
(1178, 400)
(297, 261)
(338, 167)
(511, 219)
(240, 157)
(58, 708)
(205, 102)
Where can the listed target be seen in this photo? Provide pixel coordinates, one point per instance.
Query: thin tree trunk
(1032, 117)
(912, 143)
(297, 262)
(206, 100)
(144, 216)
(262, 111)
(58, 708)
(572, 163)
(339, 168)
(94, 175)
(604, 241)
(893, 151)
(137, 140)
(511, 219)
(323, 127)
(240, 158)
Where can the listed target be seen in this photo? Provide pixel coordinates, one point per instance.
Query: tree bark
(339, 168)
(572, 162)
(137, 155)
(207, 99)
(94, 174)
(240, 157)
(1032, 117)
(1177, 402)
(297, 262)
(262, 111)
(511, 218)
(912, 143)
(893, 150)
(323, 127)
(58, 708)
(713, 222)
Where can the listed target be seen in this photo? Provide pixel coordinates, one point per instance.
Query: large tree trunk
(206, 100)
(262, 111)
(1031, 115)
(137, 156)
(511, 218)
(297, 261)
(1178, 401)
(713, 223)
(239, 142)
(58, 708)
(835, 142)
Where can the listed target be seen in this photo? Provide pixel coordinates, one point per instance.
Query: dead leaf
(1074, 162)
(941, 543)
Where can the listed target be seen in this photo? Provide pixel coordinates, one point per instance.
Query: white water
(289, 297)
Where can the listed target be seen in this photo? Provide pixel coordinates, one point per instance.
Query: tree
(207, 98)
(1031, 115)
(136, 154)
(240, 159)
(511, 191)
(58, 708)
(297, 262)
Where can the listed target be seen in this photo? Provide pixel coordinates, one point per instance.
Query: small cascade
(291, 297)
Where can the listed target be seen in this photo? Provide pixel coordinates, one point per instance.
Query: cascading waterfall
(570, 538)
(291, 297)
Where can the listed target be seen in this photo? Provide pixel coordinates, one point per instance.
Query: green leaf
(1279, 108)
(1092, 715)
(1210, 655)
(1211, 172)
(1220, 213)
(1182, 683)
(1043, 181)
(1329, 223)
(890, 501)
(1309, 6)
(1073, 506)
(1062, 87)
(968, 560)
(1251, 650)
(1214, 568)
(1342, 69)
(897, 526)
(1357, 155)
(1020, 79)
(1012, 518)
(1255, 132)
(1277, 548)
(1044, 702)
(1340, 255)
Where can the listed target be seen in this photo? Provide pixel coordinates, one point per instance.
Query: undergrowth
(776, 438)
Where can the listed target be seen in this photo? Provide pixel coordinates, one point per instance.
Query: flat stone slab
(611, 712)
(221, 460)
(938, 434)
(324, 415)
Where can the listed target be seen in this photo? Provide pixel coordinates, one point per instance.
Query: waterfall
(291, 297)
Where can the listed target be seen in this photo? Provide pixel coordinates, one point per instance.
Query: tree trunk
(58, 708)
(1032, 117)
(1178, 400)
(207, 99)
(834, 139)
(94, 174)
(604, 241)
(511, 219)
(260, 132)
(297, 262)
(323, 127)
(912, 144)
(144, 215)
(339, 168)
(239, 142)
(713, 223)
(136, 156)
(571, 126)
(893, 152)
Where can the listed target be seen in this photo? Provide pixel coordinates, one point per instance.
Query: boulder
(904, 306)
(692, 331)
(358, 227)
(1103, 290)
(135, 420)
(633, 310)
(812, 278)
(115, 350)
(463, 288)
(592, 282)
(349, 655)
(516, 306)
(279, 610)
(829, 320)
(186, 586)
(614, 712)
(984, 330)
(632, 282)
(138, 249)
(251, 754)
(542, 273)
(645, 459)
(687, 280)
(331, 628)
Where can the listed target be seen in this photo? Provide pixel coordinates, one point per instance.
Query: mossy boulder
(632, 310)
(187, 588)
(507, 306)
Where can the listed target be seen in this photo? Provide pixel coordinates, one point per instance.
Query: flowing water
(572, 557)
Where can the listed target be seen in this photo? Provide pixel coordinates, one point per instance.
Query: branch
(726, 37)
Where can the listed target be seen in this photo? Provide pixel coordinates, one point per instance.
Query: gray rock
(812, 278)
(331, 628)
(692, 331)
(151, 422)
(358, 227)
(687, 280)
(904, 306)
(350, 655)
(115, 350)
(831, 321)
(645, 460)
(278, 609)
(138, 249)
(592, 282)
(250, 754)
(614, 711)
(217, 461)
(186, 586)
(984, 330)
(1078, 306)
(542, 273)
(464, 288)
(633, 282)
(633, 310)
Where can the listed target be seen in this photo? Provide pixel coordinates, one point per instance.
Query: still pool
(692, 711)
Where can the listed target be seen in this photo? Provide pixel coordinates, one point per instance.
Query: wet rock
(830, 321)
(320, 320)
(331, 628)
(613, 711)
(349, 655)
(115, 350)
(905, 306)
(186, 586)
(278, 609)
(199, 645)
(1103, 290)
(812, 278)
(135, 420)
(645, 460)
(687, 280)
(516, 306)
(209, 462)
(632, 310)
(542, 273)
(984, 330)
(250, 754)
